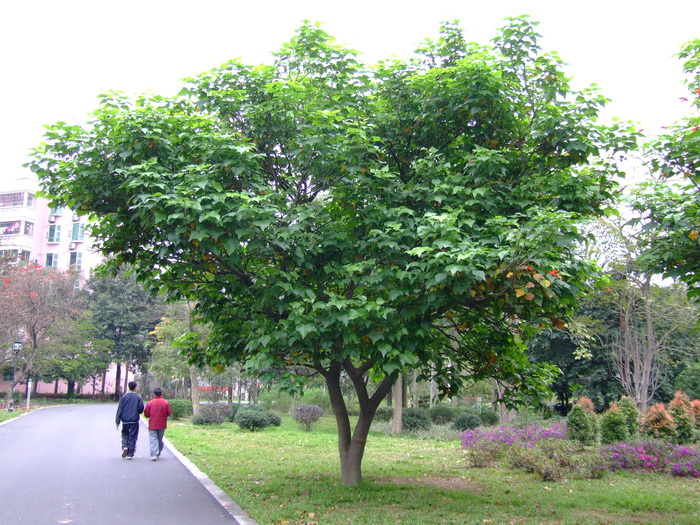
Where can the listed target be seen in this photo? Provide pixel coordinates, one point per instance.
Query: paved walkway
(63, 465)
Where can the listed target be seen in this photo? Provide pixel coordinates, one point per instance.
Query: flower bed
(496, 446)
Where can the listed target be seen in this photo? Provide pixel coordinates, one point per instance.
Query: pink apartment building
(34, 233)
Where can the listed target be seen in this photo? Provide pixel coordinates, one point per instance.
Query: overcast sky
(57, 56)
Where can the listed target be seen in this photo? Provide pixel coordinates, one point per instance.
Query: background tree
(124, 314)
(581, 352)
(654, 319)
(175, 337)
(669, 206)
(337, 220)
(688, 380)
(72, 352)
(33, 299)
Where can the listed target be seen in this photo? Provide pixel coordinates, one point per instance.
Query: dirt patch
(441, 482)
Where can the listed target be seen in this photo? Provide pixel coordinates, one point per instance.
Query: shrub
(587, 404)
(581, 426)
(273, 419)
(613, 426)
(212, 414)
(235, 407)
(415, 419)
(489, 417)
(441, 415)
(384, 414)
(180, 408)
(485, 447)
(306, 416)
(631, 414)
(316, 396)
(509, 436)
(254, 418)
(695, 409)
(466, 422)
(681, 412)
(552, 459)
(653, 456)
(658, 423)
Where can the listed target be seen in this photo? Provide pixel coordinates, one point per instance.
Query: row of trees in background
(73, 331)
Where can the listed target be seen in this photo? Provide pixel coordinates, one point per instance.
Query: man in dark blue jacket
(128, 412)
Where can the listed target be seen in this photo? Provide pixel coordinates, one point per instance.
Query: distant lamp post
(16, 348)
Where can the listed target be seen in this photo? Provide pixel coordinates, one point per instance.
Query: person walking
(128, 412)
(157, 411)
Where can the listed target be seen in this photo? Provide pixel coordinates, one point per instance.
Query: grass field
(286, 476)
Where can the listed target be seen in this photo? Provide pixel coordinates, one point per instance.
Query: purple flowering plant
(528, 436)
(653, 456)
(487, 446)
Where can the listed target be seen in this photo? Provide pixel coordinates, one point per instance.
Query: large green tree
(335, 219)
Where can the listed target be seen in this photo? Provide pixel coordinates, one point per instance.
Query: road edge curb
(219, 495)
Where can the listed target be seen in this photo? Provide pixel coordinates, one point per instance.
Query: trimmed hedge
(466, 422)
(254, 417)
(306, 416)
(180, 408)
(415, 419)
(212, 414)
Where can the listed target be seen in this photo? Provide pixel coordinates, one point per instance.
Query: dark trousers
(130, 433)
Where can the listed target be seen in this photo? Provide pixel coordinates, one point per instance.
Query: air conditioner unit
(52, 218)
(75, 217)
(72, 246)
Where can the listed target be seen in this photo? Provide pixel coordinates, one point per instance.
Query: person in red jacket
(157, 411)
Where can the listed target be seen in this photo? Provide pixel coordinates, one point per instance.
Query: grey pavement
(63, 465)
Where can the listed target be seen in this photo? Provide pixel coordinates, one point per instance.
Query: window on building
(8, 255)
(58, 210)
(76, 260)
(54, 233)
(28, 228)
(30, 200)
(78, 233)
(11, 199)
(51, 260)
(10, 228)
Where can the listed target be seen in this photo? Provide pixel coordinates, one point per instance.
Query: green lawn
(286, 476)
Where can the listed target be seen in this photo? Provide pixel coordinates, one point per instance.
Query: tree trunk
(126, 378)
(194, 390)
(414, 388)
(117, 381)
(398, 406)
(351, 444)
(433, 394)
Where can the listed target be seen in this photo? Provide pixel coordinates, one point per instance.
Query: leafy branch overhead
(670, 206)
(327, 215)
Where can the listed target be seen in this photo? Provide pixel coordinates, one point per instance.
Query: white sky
(57, 56)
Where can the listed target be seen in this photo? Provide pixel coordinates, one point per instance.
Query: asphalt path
(63, 465)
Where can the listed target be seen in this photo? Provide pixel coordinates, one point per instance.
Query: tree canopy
(670, 205)
(331, 217)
